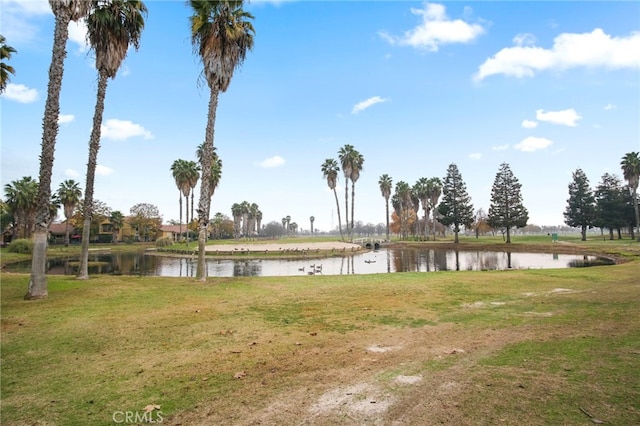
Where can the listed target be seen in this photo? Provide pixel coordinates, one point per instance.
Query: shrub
(164, 241)
(21, 245)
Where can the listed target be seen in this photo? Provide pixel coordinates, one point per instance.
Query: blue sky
(547, 87)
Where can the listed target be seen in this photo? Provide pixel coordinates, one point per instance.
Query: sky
(547, 87)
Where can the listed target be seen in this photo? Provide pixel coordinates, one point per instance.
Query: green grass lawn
(525, 347)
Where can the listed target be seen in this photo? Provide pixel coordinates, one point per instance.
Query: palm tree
(631, 171)
(21, 198)
(193, 184)
(216, 170)
(357, 161)
(344, 155)
(386, 183)
(421, 191)
(178, 171)
(284, 223)
(221, 34)
(312, 219)
(403, 200)
(236, 212)
(218, 218)
(112, 26)
(434, 190)
(192, 174)
(69, 194)
(5, 53)
(244, 209)
(330, 171)
(254, 209)
(64, 12)
(258, 221)
(117, 222)
(288, 223)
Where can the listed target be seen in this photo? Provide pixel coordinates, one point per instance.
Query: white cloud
(529, 124)
(70, 173)
(570, 50)
(78, 35)
(436, 29)
(65, 118)
(16, 19)
(20, 93)
(567, 117)
(524, 39)
(361, 106)
(532, 143)
(103, 170)
(123, 129)
(475, 156)
(609, 107)
(271, 162)
(500, 147)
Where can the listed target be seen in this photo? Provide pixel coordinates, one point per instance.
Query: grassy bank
(514, 347)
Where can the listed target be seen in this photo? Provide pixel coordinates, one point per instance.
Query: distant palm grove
(222, 34)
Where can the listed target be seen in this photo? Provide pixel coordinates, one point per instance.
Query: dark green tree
(455, 208)
(610, 204)
(581, 205)
(506, 210)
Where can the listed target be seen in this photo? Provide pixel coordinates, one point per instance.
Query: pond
(368, 262)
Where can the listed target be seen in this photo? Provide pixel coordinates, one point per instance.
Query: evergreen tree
(610, 204)
(581, 205)
(455, 208)
(506, 210)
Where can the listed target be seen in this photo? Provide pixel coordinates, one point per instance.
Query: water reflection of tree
(424, 257)
(404, 260)
(440, 260)
(246, 268)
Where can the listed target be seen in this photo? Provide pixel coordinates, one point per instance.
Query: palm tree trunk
(353, 204)
(635, 207)
(66, 233)
(426, 222)
(180, 203)
(387, 218)
(192, 196)
(346, 203)
(205, 199)
(37, 288)
(94, 147)
(338, 208)
(187, 218)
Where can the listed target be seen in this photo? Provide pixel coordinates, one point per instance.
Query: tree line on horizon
(610, 205)
(607, 206)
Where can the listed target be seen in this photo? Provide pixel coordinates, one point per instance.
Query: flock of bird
(317, 269)
(314, 269)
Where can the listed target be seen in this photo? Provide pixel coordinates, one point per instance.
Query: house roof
(59, 228)
(173, 228)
